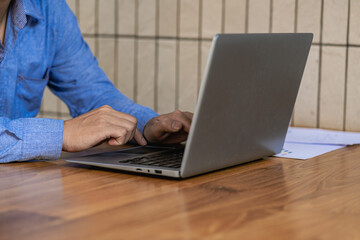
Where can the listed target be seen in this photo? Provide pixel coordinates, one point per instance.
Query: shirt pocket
(29, 93)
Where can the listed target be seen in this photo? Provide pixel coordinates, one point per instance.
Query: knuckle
(123, 132)
(134, 120)
(105, 108)
(134, 124)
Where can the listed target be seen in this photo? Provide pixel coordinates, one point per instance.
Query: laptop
(242, 114)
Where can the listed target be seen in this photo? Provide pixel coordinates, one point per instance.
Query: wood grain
(269, 199)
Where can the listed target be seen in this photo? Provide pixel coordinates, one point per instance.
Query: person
(41, 45)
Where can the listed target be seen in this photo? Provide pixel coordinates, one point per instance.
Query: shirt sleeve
(76, 77)
(30, 138)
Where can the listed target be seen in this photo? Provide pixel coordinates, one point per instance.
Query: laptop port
(138, 169)
(158, 171)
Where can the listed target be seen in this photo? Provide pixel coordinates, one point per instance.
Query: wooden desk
(268, 199)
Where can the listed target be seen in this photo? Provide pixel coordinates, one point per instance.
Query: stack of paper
(304, 143)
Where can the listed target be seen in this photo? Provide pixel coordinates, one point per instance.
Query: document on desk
(305, 143)
(321, 136)
(305, 151)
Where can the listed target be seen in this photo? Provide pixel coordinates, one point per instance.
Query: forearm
(30, 138)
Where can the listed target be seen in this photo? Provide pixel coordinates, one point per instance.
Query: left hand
(168, 128)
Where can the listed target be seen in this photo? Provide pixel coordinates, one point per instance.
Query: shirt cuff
(146, 116)
(42, 138)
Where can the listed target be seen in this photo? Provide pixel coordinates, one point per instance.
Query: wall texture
(155, 50)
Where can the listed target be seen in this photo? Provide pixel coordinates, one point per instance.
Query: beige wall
(155, 50)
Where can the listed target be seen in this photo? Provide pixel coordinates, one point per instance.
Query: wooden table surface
(267, 199)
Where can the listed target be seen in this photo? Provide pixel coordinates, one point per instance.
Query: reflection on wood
(268, 199)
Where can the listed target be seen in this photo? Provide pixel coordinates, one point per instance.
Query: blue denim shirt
(43, 47)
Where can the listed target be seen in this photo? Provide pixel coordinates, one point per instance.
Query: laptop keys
(162, 159)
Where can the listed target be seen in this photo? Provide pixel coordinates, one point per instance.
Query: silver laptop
(242, 114)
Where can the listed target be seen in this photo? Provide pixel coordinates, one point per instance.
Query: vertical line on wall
(295, 30)
(116, 55)
(346, 64)
(271, 16)
(247, 16)
(199, 45)
(77, 8)
(156, 65)
(320, 64)
(136, 49)
(177, 56)
(223, 12)
(296, 15)
(97, 28)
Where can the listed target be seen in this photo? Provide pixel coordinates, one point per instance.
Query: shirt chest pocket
(29, 93)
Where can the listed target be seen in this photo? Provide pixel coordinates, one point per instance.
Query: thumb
(176, 125)
(168, 126)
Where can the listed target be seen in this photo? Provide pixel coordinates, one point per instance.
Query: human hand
(169, 128)
(98, 125)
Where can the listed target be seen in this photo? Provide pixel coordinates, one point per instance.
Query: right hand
(99, 125)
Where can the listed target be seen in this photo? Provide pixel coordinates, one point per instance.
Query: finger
(181, 117)
(169, 125)
(116, 135)
(138, 137)
(124, 123)
(176, 138)
(121, 138)
(161, 128)
(113, 142)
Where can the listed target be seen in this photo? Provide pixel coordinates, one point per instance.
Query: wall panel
(309, 17)
(283, 16)
(189, 18)
(211, 18)
(126, 66)
(146, 17)
(107, 57)
(188, 75)
(306, 107)
(259, 16)
(166, 76)
(145, 81)
(87, 16)
(107, 17)
(168, 14)
(354, 34)
(126, 17)
(332, 88)
(235, 16)
(353, 91)
(335, 21)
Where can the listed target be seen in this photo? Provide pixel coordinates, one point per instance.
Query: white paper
(306, 151)
(321, 136)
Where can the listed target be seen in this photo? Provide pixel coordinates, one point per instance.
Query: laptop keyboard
(162, 159)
